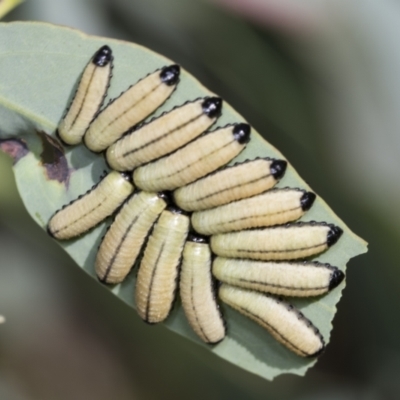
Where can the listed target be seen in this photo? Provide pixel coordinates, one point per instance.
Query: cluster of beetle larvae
(196, 221)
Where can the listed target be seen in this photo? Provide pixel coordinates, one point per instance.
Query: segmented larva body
(164, 134)
(286, 324)
(89, 96)
(249, 225)
(274, 207)
(157, 278)
(238, 182)
(90, 209)
(124, 239)
(295, 279)
(288, 242)
(197, 292)
(193, 161)
(131, 107)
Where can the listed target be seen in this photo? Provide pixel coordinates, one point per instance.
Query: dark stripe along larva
(89, 96)
(197, 291)
(91, 208)
(191, 166)
(124, 239)
(288, 242)
(274, 207)
(158, 272)
(131, 107)
(240, 181)
(301, 279)
(195, 160)
(282, 320)
(164, 134)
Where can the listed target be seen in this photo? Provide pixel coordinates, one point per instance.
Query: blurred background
(320, 79)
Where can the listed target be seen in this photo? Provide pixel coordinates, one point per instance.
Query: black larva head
(212, 107)
(278, 168)
(333, 235)
(241, 133)
(170, 75)
(197, 238)
(307, 200)
(102, 57)
(336, 279)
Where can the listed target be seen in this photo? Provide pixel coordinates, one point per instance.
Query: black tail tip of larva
(170, 75)
(333, 235)
(336, 278)
(102, 57)
(192, 237)
(278, 168)
(307, 200)
(241, 133)
(212, 107)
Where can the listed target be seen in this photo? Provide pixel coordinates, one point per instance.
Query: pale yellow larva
(240, 181)
(301, 279)
(195, 160)
(274, 207)
(164, 134)
(288, 242)
(89, 96)
(286, 324)
(124, 239)
(131, 107)
(158, 271)
(91, 208)
(197, 292)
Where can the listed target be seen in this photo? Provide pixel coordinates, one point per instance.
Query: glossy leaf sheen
(39, 67)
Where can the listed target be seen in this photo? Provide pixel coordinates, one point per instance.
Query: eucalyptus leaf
(40, 65)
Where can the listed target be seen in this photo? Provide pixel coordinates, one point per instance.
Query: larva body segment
(193, 161)
(286, 324)
(289, 242)
(274, 207)
(131, 107)
(240, 181)
(301, 279)
(124, 239)
(92, 208)
(89, 96)
(197, 292)
(164, 134)
(158, 272)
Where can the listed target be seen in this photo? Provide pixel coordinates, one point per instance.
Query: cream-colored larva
(89, 96)
(91, 208)
(158, 272)
(164, 134)
(286, 324)
(288, 242)
(229, 184)
(195, 160)
(297, 279)
(198, 293)
(124, 239)
(131, 107)
(274, 207)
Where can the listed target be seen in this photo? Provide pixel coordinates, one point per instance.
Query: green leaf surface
(40, 65)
